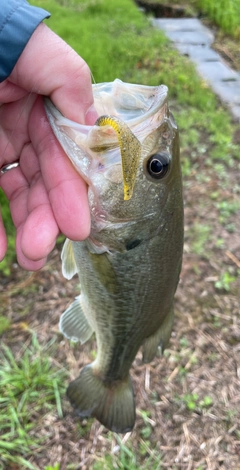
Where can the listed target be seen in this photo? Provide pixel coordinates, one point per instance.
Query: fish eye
(158, 165)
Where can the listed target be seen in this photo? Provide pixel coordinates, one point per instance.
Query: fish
(130, 264)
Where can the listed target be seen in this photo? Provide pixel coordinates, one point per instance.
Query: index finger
(67, 191)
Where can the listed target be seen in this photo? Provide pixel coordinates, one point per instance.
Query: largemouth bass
(129, 266)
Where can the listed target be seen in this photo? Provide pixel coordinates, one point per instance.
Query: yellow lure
(130, 151)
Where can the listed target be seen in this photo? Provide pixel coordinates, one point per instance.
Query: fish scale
(129, 266)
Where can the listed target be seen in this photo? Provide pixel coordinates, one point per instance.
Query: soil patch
(188, 401)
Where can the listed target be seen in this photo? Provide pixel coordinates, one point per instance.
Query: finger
(14, 128)
(39, 233)
(59, 72)
(16, 189)
(32, 215)
(40, 228)
(29, 164)
(10, 92)
(67, 191)
(23, 260)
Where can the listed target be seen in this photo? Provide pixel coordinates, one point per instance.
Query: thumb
(58, 72)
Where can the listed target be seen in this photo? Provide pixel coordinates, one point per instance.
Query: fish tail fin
(112, 404)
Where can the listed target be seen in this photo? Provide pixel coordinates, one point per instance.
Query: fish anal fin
(69, 267)
(111, 404)
(73, 323)
(159, 339)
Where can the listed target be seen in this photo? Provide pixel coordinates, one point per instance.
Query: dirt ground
(188, 401)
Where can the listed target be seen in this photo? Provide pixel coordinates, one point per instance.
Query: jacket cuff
(18, 21)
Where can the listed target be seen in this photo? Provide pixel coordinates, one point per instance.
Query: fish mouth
(130, 102)
(130, 148)
(131, 112)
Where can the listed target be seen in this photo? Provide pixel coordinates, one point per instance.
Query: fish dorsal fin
(69, 267)
(73, 323)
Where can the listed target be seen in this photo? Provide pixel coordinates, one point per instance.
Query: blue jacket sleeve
(18, 21)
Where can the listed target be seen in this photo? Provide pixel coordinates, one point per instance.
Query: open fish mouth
(130, 115)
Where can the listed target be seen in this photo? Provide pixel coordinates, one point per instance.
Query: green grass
(224, 13)
(30, 388)
(226, 279)
(200, 235)
(125, 458)
(56, 467)
(5, 264)
(192, 401)
(5, 324)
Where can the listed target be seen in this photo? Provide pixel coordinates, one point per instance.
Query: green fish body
(129, 266)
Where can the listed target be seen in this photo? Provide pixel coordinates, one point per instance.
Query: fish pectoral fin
(104, 270)
(112, 404)
(73, 323)
(69, 267)
(159, 340)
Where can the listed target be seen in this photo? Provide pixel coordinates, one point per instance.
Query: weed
(10, 230)
(227, 208)
(5, 324)
(184, 343)
(220, 243)
(200, 234)
(182, 372)
(84, 429)
(231, 227)
(186, 166)
(28, 386)
(193, 403)
(127, 459)
(225, 280)
(147, 430)
(56, 467)
(207, 401)
(190, 400)
(224, 13)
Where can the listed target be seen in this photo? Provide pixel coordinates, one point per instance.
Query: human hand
(46, 194)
